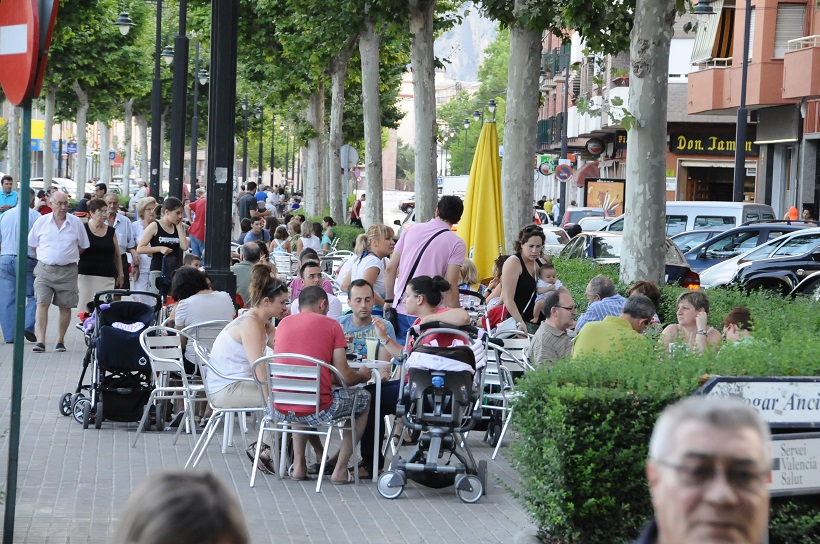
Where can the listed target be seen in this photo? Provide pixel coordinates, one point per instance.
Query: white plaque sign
(794, 464)
(782, 402)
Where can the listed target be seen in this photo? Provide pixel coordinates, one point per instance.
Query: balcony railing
(714, 63)
(804, 42)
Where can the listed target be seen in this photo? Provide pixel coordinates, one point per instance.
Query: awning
(714, 37)
(589, 170)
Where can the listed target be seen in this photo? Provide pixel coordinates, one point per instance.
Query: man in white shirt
(9, 241)
(58, 238)
(126, 240)
(311, 274)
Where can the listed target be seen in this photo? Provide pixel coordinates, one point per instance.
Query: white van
(682, 215)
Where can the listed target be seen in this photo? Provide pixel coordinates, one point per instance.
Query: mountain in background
(461, 49)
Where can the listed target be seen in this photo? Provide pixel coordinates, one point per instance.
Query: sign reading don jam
(782, 402)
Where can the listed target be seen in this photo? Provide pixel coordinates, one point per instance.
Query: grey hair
(168, 501)
(603, 286)
(725, 413)
(251, 252)
(639, 306)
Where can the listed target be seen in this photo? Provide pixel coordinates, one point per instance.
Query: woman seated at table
(691, 332)
(243, 341)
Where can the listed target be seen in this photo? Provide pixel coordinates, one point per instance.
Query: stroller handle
(127, 293)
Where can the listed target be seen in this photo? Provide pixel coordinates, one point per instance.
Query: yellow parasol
(481, 225)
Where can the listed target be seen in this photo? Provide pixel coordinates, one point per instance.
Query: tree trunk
(48, 123)
(312, 177)
(643, 252)
(127, 145)
(369, 43)
(81, 176)
(338, 72)
(142, 123)
(14, 144)
(424, 103)
(520, 129)
(105, 148)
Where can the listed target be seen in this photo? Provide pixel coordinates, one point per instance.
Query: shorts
(56, 284)
(341, 406)
(238, 395)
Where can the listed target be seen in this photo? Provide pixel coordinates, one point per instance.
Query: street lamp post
(245, 143)
(466, 126)
(178, 105)
(201, 78)
(286, 130)
(156, 112)
(272, 147)
(260, 115)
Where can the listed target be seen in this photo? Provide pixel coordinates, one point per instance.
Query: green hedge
(346, 233)
(585, 424)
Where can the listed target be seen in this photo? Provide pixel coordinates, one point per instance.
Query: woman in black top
(519, 276)
(164, 238)
(100, 266)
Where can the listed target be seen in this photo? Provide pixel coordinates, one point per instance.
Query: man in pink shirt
(441, 252)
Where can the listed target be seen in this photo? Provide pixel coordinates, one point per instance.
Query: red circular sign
(19, 35)
(563, 172)
(595, 146)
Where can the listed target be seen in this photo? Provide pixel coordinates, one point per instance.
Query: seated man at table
(311, 274)
(326, 343)
(359, 327)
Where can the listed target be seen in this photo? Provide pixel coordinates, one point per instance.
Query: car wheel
(772, 287)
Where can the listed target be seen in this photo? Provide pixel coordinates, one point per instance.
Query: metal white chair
(219, 412)
(286, 265)
(299, 385)
(163, 345)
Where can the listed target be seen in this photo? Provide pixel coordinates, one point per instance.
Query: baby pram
(120, 369)
(440, 399)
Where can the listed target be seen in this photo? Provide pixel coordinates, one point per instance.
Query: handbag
(392, 316)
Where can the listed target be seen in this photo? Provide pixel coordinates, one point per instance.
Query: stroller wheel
(161, 408)
(77, 408)
(482, 474)
(469, 488)
(86, 412)
(65, 405)
(493, 433)
(98, 416)
(389, 486)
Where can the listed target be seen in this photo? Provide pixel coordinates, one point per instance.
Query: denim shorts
(340, 407)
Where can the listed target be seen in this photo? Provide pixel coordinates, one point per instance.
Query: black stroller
(440, 399)
(120, 369)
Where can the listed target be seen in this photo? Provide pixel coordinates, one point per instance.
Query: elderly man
(551, 341)
(9, 242)
(311, 274)
(126, 241)
(58, 239)
(603, 301)
(614, 336)
(327, 343)
(8, 198)
(242, 270)
(709, 458)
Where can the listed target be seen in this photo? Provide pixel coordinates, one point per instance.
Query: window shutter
(752, 33)
(790, 25)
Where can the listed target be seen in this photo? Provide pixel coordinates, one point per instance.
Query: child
(547, 281)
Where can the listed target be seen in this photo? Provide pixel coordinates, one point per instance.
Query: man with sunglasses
(709, 458)
(551, 341)
(616, 336)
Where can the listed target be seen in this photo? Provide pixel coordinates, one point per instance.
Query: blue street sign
(112, 155)
(71, 147)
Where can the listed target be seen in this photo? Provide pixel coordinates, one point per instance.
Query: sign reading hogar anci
(782, 402)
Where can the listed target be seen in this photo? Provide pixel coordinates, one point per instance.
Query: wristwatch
(518, 323)
(703, 332)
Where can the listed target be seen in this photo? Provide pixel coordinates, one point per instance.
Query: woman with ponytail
(243, 341)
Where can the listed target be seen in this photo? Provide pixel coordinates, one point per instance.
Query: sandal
(297, 478)
(350, 479)
(265, 465)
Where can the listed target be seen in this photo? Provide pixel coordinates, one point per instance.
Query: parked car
(683, 215)
(691, 238)
(555, 240)
(778, 265)
(408, 204)
(733, 242)
(592, 223)
(605, 248)
(542, 217)
(573, 215)
(808, 286)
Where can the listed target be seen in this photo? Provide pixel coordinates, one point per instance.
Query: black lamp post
(245, 143)
(272, 147)
(178, 106)
(260, 115)
(466, 126)
(200, 79)
(286, 130)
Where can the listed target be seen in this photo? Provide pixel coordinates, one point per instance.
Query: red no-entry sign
(24, 44)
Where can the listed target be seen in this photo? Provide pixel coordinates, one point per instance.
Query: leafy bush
(585, 424)
(346, 233)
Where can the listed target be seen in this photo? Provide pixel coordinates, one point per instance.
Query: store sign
(704, 144)
(595, 146)
(782, 402)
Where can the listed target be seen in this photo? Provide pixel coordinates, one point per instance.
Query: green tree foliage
(404, 161)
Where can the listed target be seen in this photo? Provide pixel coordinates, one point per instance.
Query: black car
(809, 286)
(731, 243)
(788, 261)
(605, 248)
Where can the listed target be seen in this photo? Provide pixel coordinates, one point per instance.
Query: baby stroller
(120, 370)
(440, 399)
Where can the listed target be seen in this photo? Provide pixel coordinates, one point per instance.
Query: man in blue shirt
(8, 198)
(258, 232)
(9, 241)
(603, 301)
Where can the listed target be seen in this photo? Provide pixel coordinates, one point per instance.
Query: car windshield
(606, 248)
(577, 215)
(797, 245)
(688, 240)
(556, 237)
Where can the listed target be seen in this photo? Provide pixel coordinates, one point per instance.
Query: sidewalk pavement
(72, 483)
